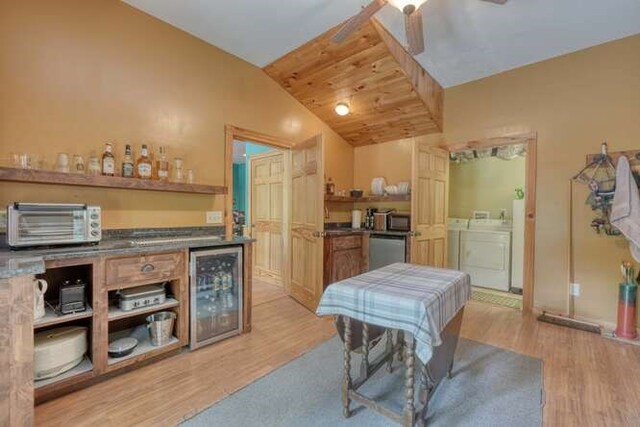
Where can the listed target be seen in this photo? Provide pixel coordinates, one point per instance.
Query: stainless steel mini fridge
(216, 295)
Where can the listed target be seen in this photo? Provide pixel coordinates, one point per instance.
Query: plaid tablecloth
(414, 298)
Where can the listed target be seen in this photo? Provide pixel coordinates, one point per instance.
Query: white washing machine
(454, 227)
(485, 253)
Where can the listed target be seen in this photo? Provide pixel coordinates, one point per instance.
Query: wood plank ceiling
(390, 95)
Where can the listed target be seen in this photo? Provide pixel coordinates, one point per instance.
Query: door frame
(531, 141)
(234, 133)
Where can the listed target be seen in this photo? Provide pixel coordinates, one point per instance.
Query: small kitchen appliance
(71, 297)
(399, 221)
(142, 296)
(34, 224)
(58, 350)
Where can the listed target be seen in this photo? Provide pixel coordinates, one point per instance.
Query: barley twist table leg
(409, 409)
(364, 366)
(346, 378)
(426, 385)
(389, 349)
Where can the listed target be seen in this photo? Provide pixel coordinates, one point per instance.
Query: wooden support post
(409, 408)
(346, 379)
(16, 351)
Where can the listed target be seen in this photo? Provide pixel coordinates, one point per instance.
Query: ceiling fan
(412, 21)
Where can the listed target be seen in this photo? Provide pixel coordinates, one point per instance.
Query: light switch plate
(575, 289)
(214, 217)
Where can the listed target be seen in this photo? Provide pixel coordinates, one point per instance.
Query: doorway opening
(256, 206)
(492, 217)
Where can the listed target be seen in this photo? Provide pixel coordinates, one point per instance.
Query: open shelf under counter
(143, 350)
(116, 313)
(61, 178)
(85, 368)
(370, 198)
(52, 318)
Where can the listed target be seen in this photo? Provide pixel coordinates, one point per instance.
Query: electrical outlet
(575, 289)
(214, 217)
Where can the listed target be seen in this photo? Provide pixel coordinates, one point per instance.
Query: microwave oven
(36, 224)
(399, 221)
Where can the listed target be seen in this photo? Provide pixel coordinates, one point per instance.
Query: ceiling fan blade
(496, 1)
(415, 34)
(357, 20)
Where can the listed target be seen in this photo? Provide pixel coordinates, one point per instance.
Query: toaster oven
(34, 224)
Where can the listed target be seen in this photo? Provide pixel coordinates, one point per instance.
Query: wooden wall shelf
(387, 198)
(51, 177)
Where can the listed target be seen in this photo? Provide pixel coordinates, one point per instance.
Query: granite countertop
(14, 263)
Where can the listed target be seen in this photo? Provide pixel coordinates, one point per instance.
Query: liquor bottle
(108, 161)
(127, 163)
(162, 166)
(144, 168)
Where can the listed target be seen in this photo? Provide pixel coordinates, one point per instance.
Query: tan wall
(573, 102)
(391, 160)
(77, 73)
(485, 184)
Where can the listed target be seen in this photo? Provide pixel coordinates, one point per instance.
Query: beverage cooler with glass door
(216, 294)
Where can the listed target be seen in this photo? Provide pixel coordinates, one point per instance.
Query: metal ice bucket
(160, 326)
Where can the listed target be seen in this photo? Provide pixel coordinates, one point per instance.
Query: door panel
(307, 222)
(430, 205)
(267, 176)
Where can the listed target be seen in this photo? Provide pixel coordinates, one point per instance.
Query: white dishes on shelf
(377, 186)
(404, 187)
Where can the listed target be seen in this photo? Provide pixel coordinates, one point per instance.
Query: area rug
(490, 387)
(497, 298)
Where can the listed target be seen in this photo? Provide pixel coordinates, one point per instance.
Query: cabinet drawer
(346, 242)
(129, 271)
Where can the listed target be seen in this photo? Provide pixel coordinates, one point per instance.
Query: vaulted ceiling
(465, 39)
(390, 96)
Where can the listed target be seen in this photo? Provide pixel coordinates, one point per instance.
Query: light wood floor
(264, 292)
(588, 380)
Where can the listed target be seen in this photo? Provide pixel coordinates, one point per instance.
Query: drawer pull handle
(147, 268)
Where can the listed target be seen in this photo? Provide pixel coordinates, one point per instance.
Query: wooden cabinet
(132, 271)
(345, 255)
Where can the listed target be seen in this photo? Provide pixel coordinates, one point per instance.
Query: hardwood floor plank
(588, 380)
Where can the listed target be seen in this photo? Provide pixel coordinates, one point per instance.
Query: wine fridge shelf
(51, 177)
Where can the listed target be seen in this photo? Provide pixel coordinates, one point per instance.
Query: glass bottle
(330, 187)
(162, 165)
(144, 168)
(127, 163)
(108, 161)
(94, 165)
(78, 164)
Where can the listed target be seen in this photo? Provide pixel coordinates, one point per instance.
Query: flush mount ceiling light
(402, 4)
(412, 21)
(342, 109)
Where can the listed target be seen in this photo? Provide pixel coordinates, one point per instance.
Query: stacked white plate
(377, 186)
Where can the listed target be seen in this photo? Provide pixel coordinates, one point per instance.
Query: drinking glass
(24, 161)
(62, 164)
(78, 164)
(190, 176)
